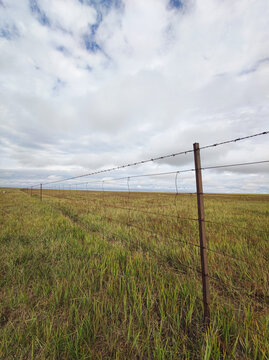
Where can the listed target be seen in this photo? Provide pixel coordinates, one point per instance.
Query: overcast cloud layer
(89, 84)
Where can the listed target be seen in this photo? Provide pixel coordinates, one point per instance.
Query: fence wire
(99, 199)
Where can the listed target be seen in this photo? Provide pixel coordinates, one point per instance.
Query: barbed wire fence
(98, 193)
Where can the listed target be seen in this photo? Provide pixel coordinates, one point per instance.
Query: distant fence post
(201, 219)
(31, 191)
(40, 192)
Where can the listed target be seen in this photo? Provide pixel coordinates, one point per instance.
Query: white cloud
(162, 79)
(71, 15)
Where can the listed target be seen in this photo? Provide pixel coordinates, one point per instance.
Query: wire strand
(155, 158)
(234, 140)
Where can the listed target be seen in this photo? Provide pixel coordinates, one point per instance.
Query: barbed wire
(234, 140)
(228, 255)
(178, 266)
(158, 174)
(154, 159)
(225, 224)
(85, 227)
(131, 224)
(232, 165)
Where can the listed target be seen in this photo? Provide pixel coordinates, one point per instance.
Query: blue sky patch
(88, 68)
(95, 26)
(103, 4)
(63, 50)
(58, 85)
(175, 4)
(39, 14)
(9, 32)
(102, 7)
(89, 39)
(255, 67)
(90, 43)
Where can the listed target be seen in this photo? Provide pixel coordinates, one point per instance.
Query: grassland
(81, 280)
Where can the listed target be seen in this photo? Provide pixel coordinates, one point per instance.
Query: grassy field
(81, 277)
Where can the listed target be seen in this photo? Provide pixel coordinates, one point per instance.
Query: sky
(91, 84)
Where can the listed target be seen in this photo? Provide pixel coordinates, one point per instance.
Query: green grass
(80, 280)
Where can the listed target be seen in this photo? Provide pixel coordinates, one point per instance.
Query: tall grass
(80, 280)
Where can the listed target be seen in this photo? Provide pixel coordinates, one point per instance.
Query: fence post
(201, 219)
(31, 191)
(40, 192)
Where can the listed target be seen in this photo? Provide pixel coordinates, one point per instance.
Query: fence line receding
(98, 190)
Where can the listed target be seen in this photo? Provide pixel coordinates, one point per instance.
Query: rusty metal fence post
(40, 192)
(202, 234)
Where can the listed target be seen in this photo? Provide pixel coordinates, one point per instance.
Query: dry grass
(80, 280)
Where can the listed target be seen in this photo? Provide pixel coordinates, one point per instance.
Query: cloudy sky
(90, 84)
